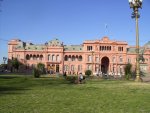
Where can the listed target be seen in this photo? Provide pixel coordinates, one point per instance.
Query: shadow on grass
(11, 90)
(15, 84)
(7, 77)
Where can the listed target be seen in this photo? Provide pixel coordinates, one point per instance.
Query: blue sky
(71, 21)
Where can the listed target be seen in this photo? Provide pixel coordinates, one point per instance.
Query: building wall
(100, 56)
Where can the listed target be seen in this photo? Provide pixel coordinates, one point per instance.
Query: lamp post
(47, 60)
(136, 4)
(92, 61)
(4, 59)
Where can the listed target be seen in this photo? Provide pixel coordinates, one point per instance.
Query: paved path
(146, 79)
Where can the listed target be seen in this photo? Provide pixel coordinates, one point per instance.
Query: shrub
(36, 73)
(88, 72)
(41, 68)
(15, 64)
(72, 79)
(127, 70)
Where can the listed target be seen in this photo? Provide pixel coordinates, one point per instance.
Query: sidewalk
(146, 79)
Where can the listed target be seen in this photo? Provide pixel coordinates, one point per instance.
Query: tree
(36, 73)
(41, 68)
(127, 70)
(15, 64)
(88, 72)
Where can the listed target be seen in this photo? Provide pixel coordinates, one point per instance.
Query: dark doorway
(105, 64)
(57, 68)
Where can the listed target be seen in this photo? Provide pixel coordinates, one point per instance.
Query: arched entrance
(104, 64)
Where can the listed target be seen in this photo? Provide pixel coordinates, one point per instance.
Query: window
(18, 56)
(105, 48)
(66, 58)
(57, 58)
(49, 57)
(120, 69)
(66, 68)
(100, 48)
(89, 67)
(79, 67)
(37, 57)
(97, 59)
(90, 58)
(129, 60)
(120, 59)
(34, 57)
(89, 48)
(41, 57)
(53, 58)
(72, 67)
(120, 48)
(113, 59)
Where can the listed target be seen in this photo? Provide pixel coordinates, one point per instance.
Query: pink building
(100, 56)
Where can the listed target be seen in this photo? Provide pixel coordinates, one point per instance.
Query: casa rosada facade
(100, 56)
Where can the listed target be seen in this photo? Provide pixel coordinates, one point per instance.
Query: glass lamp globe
(130, 1)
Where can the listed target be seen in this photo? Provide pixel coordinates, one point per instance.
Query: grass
(55, 95)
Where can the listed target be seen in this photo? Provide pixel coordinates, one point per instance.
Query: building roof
(147, 45)
(55, 42)
(34, 47)
(133, 50)
(73, 48)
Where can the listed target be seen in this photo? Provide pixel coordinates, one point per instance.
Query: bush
(36, 73)
(41, 68)
(72, 79)
(127, 70)
(88, 72)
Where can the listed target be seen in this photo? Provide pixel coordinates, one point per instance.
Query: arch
(66, 58)
(69, 58)
(80, 58)
(41, 57)
(27, 57)
(38, 57)
(34, 57)
(73, 58)
(104, 64)
(30, 55)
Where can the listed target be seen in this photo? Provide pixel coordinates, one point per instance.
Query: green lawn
(54, 95)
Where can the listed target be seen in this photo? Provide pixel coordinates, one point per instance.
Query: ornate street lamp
(4, 59)
(136, 4)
